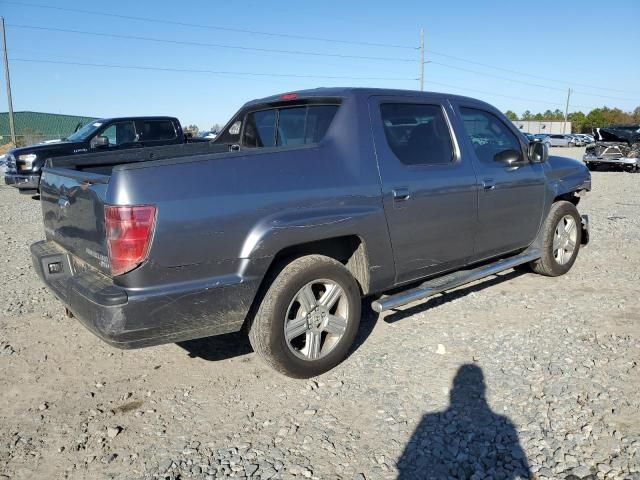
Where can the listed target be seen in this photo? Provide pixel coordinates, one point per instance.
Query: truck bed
(103, 162)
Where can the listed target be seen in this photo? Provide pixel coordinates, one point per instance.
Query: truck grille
(608, 151)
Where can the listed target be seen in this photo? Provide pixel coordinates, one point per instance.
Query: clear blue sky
(579, 44)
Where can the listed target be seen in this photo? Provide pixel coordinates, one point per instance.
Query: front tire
(561, 237)
(308, 318)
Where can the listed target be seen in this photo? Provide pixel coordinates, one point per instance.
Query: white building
(543, 126)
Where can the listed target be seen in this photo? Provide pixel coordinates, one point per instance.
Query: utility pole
(566, 112)
(8, 81)
(422, 59)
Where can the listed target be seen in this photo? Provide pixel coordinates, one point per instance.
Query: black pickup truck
(110, 134)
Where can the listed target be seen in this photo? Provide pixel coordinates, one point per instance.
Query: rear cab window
(287, 126)
(280, 125)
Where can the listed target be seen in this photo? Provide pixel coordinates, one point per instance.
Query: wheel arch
(350, 250)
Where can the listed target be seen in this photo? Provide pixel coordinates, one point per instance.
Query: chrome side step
(451, 281)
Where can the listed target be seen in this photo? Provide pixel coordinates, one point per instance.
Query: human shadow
(467, 440)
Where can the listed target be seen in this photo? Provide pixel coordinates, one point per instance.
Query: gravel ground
(516, 376)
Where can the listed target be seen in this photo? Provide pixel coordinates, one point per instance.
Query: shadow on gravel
(224, 347)
(220, 347)
(445, 297)
(467, 440)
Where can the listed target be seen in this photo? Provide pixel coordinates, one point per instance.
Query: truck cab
(24, 164)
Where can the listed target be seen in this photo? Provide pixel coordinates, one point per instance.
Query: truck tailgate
(73, 213)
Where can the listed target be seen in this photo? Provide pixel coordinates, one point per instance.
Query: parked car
(586, 139)
(617, 146)
(578, 140)
(24, 164)
(544, 138)
(562, 140)
(208, 135)
(326, 196)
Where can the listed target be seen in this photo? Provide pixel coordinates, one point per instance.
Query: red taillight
(129, 232)
(288, 96)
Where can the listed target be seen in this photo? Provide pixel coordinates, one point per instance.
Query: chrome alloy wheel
(316, 320)
(564, 239)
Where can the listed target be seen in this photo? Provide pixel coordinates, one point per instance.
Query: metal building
(34, 127)
(543, 126)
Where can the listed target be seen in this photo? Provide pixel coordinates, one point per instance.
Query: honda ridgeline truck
(311, 201)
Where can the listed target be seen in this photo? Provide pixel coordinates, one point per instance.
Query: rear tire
(561, 237)
(308, 317)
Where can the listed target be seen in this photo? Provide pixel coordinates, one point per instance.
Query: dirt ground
(516, 376)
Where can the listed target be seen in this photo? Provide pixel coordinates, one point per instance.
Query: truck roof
(140, 117)
(355, 91)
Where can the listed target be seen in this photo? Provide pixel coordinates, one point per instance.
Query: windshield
(85, 132)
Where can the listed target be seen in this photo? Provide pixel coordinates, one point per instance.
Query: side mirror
(538, 152)
(510, 158)
(100, 141)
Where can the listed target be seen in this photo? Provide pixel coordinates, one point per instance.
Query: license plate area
(56, 266)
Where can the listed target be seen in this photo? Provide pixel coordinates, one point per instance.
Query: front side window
(417, 134)
(154, 130)
(488, 134)
(292, 126)
(120, 133)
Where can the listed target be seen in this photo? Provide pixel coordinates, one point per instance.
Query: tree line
(581, 123)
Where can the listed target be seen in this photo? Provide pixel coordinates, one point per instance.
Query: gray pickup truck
(305, 203)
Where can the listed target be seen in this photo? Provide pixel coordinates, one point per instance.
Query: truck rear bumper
(22, 182)
(131, 319)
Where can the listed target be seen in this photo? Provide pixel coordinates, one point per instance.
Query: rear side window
(488, 134)
(304, 125)
(418, 134)
(154, 130)
(260, 128)
(290, 126)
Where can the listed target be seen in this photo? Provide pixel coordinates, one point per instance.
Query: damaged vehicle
(304, 204)
(617, 146)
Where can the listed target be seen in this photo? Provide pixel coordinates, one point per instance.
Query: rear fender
(287, 229)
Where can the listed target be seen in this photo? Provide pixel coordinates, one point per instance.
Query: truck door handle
(489, 184)
(401, 194)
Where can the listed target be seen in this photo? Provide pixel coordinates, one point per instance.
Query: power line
(453, 57)
(214, 45)
(210, 27)
(294, 52)
(542, 102)
(214, 72)
(514, 80)
(267, 74)
(322, 39)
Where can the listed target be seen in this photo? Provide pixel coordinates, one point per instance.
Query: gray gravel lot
(516, 376)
